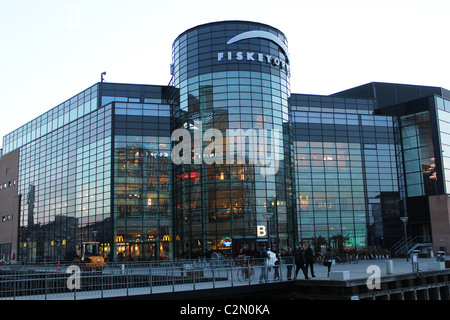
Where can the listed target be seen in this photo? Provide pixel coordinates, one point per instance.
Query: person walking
(328, 260)
(270, 261)
(300, 262)
(288, 258)
(309, 259)
(261, 259)
(276, 266)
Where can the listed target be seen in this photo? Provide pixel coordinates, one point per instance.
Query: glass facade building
(259, 163)
(142, 172)
(234, 78)
(96, 169)
(346, 173)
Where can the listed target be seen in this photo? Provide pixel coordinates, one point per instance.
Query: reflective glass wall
(419, 161)
(65, 180)
(418, 154)
(346, 176)
(242, 85)
(443, 113)
(142, 182)
(96, 168)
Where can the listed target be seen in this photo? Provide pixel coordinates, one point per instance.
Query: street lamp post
(405, 220)
(268, 216)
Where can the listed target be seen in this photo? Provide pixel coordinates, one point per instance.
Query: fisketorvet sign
(257, 56)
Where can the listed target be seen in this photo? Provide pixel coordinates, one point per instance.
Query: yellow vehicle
(89, 256)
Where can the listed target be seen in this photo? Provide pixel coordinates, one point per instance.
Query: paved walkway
(360, 269)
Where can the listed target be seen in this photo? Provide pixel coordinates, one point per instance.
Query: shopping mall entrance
(136, 251)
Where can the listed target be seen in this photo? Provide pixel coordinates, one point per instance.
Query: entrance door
(143, 251)
(149, 251)
(134, 251)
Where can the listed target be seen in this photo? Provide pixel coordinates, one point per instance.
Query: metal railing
(74, 282)
(412, 243)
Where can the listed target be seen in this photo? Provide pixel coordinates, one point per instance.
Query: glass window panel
(414, 190)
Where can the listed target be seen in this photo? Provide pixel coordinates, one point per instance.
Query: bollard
(389, 267)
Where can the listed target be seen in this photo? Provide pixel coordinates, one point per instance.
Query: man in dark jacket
(288, 257)
(261, 259)
(309, 258)
(300, 262)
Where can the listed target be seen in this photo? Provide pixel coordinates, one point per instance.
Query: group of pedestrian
(268, 259)
(303, 259)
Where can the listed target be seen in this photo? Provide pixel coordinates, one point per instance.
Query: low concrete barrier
(436, 265)
(339, 275)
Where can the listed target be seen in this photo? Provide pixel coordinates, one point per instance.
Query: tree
(339, 241)
(317, 242)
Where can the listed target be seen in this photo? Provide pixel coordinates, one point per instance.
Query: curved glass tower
(233, 175)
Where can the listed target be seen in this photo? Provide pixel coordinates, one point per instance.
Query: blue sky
(53, 49)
